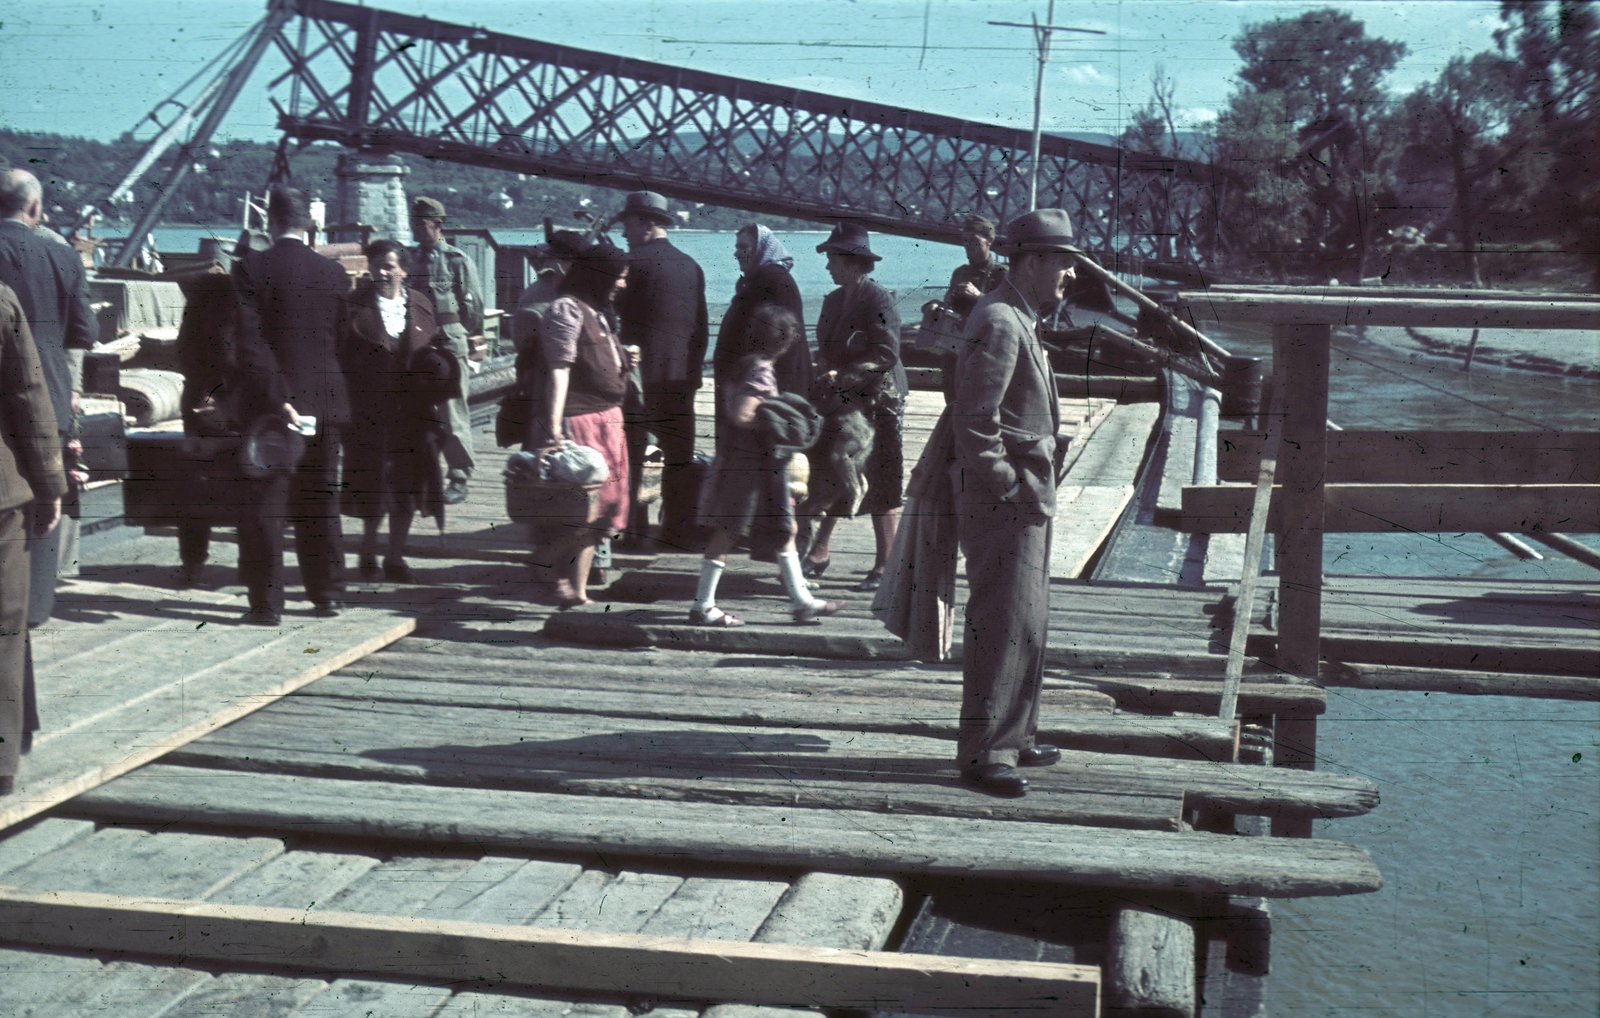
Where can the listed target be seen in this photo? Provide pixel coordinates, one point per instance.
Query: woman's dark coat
(768, 284)
(393, 441)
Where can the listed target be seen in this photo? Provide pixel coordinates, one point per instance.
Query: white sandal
(721, 620)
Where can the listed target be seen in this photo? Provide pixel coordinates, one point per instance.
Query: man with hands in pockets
(1005, 416)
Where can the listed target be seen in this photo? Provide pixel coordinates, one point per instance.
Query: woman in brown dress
(585, 369)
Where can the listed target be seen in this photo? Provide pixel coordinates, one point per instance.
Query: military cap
(427, 208)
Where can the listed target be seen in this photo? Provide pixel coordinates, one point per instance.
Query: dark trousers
(669, 416)
(13, 634)
(194, 542)
(308, 498)
(1008, 610)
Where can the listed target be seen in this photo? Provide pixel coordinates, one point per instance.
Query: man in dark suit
(49, 282)
(1004, 419)
(286, 345)
(663, 313)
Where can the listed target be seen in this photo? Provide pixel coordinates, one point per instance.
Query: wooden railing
(1365, 481)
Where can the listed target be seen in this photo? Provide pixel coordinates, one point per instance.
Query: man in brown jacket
(32, 484)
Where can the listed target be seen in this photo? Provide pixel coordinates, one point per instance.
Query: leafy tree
(1459, 124)
(1318, 77)
(1263, 212)
(1323, 63)
(1555, 50)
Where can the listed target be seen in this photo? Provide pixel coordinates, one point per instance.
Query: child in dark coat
(748, 488)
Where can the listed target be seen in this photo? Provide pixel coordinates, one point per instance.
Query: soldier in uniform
(458, 304)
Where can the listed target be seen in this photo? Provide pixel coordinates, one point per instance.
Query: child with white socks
(748, 488)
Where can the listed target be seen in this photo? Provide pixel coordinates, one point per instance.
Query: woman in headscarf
(766, 280)
(397, 430)
(585, 371)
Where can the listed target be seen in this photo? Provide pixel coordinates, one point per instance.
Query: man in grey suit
(1004, 417)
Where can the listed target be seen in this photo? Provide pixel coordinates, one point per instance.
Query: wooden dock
(450, 765)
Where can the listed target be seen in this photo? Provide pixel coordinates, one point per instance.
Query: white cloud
(1084, 74)
(1193, 116)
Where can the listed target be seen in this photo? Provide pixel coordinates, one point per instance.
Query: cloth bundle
(788, 423)
(569, 463)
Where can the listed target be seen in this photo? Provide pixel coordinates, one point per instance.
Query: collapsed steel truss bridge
(372, 79)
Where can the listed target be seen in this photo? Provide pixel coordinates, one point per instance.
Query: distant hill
(76, 171)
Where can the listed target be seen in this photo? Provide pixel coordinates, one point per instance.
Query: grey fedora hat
(647, 204)
(850, 238)
(1039, 230)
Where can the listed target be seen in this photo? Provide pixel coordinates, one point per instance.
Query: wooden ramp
(126, 673)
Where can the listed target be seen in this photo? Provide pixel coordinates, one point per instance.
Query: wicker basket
(552, 504)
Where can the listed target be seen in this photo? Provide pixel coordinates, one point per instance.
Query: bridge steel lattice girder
(373, 79)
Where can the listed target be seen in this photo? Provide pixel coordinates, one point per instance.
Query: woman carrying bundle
(397, 426)
(747, 490)
(584, 370)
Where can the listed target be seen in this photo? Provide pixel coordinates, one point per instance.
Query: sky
(95, 68)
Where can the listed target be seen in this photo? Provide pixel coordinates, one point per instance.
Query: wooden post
(1300, 353)
(1472, 348)
(1150, 964)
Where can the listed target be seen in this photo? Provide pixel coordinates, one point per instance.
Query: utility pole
(1041, 42)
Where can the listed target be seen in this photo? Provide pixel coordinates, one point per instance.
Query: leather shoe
(262, 617)
(189, 575)
(326, 609)
(1041, 755)
(398, 570)
(455, 493)
(999, 780)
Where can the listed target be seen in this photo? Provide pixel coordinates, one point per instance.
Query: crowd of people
(339, 400)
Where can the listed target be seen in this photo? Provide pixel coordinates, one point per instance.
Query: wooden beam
(1404, 293)
(1300, 359)
(1435, 457)
(841, 840)
(1296, 309)
(1250, 573)
(617, 964)
(1567, 546)
(1466, 683)
(1419, 508)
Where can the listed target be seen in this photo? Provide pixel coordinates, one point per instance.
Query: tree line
(76, 171)
(1488, 173)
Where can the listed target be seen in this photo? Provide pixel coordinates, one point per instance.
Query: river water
(1487, 837)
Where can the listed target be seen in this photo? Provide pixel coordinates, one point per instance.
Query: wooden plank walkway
(479, 769)
(128, 672)
(815, 909)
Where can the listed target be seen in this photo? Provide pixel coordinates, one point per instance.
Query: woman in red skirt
(585, 372)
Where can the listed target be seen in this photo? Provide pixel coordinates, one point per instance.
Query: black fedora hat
(435, 373)
(1039, 230)
(850, 238)
(647, 204)
(270, 447)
